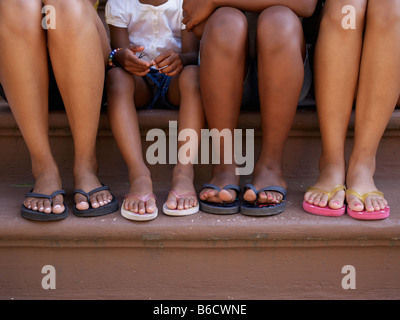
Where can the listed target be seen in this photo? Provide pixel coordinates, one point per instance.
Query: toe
(250, 196)
(227, 195)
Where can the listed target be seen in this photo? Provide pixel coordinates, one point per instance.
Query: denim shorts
(159, 85)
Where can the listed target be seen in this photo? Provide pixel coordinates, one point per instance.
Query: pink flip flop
(368, 215)
(325, 211)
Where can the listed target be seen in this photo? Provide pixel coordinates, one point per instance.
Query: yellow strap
(96, 5)
(328, 193)
(362, 197)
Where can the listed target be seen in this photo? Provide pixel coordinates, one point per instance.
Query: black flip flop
(42, 216)
(224, 207)
(263, 209)
(95, 212)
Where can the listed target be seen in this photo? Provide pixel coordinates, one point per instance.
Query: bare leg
(377, 95)
(125, 92)
(337, 57)
(280, 51)
(26, 86)
(222, 70)
(76, 52)
(185, 91)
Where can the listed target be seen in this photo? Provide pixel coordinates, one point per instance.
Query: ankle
(44, 168)
(83, 167)
(181, 170)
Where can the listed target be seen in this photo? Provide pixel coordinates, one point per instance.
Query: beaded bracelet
(111, 58)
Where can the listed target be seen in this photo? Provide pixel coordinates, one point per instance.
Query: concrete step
(293, 255)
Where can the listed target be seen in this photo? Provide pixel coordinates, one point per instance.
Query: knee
(227, 30)
(189, 79)
(335, 11)
(20, 18)
(73, 15)
(278, 26)
(118, 82)
(384, 16)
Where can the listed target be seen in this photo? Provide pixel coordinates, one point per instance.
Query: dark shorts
(159, 85)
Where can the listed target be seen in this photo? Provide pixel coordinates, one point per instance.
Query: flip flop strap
(144, 198)
(45, 196)
(329, 193)
(281, 190)
(183, 195)
(88, 194)
(229, 186)
(362, 197)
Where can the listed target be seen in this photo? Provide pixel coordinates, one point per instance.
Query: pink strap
(144, 198)
(183, 195)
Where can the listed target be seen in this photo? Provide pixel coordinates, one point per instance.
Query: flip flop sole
(262, 210)
(138, 217)
(323, 211)
(367, 215)
(180, 213)
(41, 216)
(220, 208)
(111, 207)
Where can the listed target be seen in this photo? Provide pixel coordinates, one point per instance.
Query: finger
(132, 60)
(135, 69)
(135, 47)
(189, 24)
(160, 58)
(141, 73)
(173, 69)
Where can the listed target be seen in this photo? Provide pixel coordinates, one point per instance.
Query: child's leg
(377, 95)
(280, 52)
(124, 93)
(191, 116)
(24, 76)
(337, 58)
(222, 71)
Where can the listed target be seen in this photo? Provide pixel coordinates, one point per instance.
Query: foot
(221, 178)
(182, 195)
(265, 177)
(88, 181)
(360, 181)
(321, 194)
(138, 199)
(47, 182)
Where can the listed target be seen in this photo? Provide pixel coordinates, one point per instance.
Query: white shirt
(157, 28)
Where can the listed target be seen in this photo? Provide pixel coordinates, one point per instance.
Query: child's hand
(127, 59)
(169, 63)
